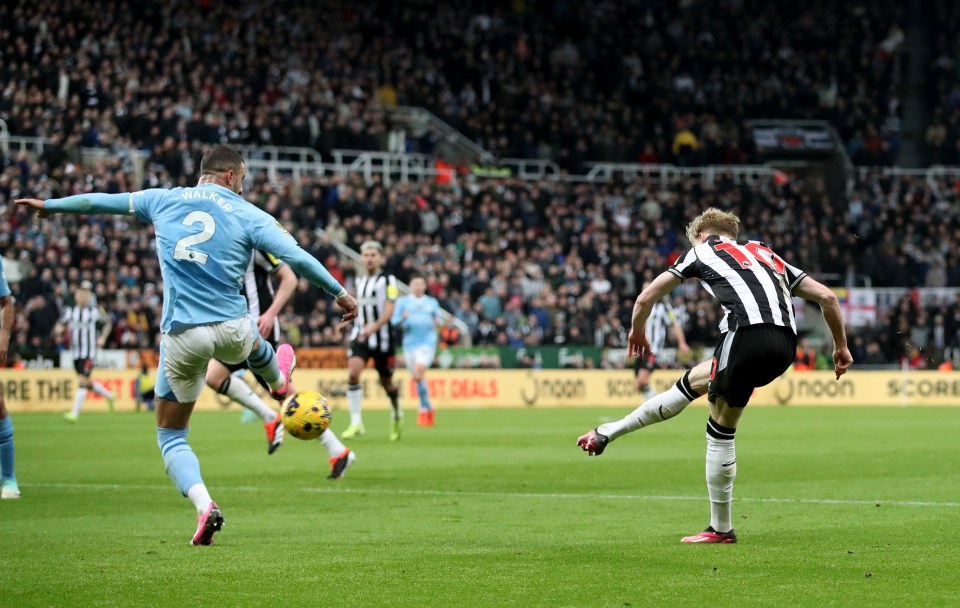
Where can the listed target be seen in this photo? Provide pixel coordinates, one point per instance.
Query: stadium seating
(673, 82)
(609, 81)
(519, 262)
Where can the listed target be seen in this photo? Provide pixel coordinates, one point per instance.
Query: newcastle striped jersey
(82, 325)
(373, 293)
(258, 286)
(752, 283)
(658, 325)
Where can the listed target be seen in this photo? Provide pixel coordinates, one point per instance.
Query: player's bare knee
(699, 377)
(724, 414)
(173, 415)
(215, 378)
(354, 368)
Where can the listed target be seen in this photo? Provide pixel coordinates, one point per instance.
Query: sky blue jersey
(205, 237)
(419, 329)
(4, 286)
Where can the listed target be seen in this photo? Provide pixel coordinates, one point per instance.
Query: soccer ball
(306, 415)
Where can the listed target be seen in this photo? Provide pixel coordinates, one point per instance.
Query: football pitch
(834, 507)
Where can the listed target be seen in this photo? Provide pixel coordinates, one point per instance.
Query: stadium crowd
(943, 132)
(571, 82)
(519, 262)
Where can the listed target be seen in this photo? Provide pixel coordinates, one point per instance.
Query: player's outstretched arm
(285, 288)
(85, 204)
(638, 345)
(309, 268)
(810, 289)
(681, 338)
(268, 235)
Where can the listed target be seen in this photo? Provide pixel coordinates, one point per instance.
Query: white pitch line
(501, 495)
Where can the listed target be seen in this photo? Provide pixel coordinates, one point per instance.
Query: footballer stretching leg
(664, 406)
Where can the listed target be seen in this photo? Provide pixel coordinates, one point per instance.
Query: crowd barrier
(53, 390)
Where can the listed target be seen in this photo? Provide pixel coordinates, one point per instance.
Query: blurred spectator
(570, 82)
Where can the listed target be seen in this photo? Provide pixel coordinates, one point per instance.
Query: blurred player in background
(264, 301)
(371, 338)
(146, 395)
(8, 478)
(82, 320)
(205, 237)
(755, 288)
(661, 321)
(419, 316)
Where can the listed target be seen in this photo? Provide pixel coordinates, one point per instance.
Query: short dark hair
(416, 275)
(219, 159)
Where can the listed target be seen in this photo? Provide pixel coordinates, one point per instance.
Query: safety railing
(285, 154)
(391, 167)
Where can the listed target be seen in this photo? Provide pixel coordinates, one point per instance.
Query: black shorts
(749, 357)
(382, 361)
(243, 365)
(648, 363)
(83, 366)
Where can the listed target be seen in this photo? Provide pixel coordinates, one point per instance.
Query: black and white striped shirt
(82, 325)
(258, 285)
(658, 325)
(752, 282)
(373, 293)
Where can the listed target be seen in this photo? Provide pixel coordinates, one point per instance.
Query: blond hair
(713, 221)
(375, 245)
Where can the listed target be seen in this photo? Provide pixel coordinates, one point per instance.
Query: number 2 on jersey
(737, 253)
(181, 251)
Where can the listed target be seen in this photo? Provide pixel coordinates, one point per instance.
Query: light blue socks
(263, 362)
(6, 450)
(424, 395)
(178, 458)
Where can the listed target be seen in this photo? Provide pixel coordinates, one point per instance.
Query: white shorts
(184, 355)
(421, 355)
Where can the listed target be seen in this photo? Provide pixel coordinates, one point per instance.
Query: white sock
(199, 496)
(240, 391)
(328, 439)
(721, 471)
(355, 402)
(78, 400)
(649, 393)
(101, 390)
(662, 407)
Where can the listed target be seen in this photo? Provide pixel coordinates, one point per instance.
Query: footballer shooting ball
(306, 414)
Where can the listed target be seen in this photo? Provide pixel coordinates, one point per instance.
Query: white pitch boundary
(502, 495)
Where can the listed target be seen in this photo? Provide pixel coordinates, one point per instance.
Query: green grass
(491, 508)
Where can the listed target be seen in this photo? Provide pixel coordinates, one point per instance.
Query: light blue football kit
(8, 478)
(205, 236)
(419, 335)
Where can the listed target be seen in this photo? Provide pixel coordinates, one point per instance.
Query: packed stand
(943, 131)
(520, 263)
(634, 81)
